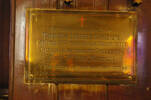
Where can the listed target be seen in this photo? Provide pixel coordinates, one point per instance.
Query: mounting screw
(148, 89)
(68, 2)
(136, 3)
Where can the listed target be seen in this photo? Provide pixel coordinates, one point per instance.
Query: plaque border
(131, 81)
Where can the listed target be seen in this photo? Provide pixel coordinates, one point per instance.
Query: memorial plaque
(80, 46)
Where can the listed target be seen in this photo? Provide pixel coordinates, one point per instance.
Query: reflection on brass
(80, 46)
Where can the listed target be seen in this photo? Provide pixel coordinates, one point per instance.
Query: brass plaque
(80, 46)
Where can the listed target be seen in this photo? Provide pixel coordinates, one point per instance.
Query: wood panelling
(35, 92)
(41, 3)
(82, 92)
(44, 3)
(101, 4)
(85, 4)
(22, 91)
(142, 90)
(129, 93)
(91, 4)
(118, 5)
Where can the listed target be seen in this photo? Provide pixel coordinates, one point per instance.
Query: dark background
(4, 42)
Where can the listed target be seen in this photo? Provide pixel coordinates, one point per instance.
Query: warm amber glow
(80, 47)
(128, 59)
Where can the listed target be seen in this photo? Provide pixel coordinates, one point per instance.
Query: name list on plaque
(80, 46)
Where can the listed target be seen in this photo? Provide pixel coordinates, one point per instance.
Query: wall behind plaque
(140, 92)
(4, 42)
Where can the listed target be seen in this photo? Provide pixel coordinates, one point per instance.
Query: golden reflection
(79, 46)
(88, 88)
(129, 56)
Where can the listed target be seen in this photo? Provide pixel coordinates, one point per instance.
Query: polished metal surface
(80, 46)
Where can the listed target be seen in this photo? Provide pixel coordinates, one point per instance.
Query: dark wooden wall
(21, 91)
(4, 42)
